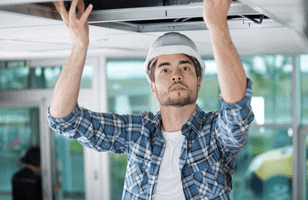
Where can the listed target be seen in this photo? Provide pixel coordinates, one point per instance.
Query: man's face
(176, 82)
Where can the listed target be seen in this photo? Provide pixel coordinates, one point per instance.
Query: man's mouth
(177, 87)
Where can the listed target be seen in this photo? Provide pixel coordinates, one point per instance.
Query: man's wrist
(218, 27)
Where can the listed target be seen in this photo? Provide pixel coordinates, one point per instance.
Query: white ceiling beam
(293, 16)
(11, 2)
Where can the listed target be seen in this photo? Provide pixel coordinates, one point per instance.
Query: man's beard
(180, 102)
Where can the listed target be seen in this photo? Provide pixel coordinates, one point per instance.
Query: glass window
(260, 173)
(272, 83)
(69, 172)
(17, 78)
(264, 167)
(272, 88)
(208, 97)
(128, 93)
(305, 167)
(304, 73)
(19, 131)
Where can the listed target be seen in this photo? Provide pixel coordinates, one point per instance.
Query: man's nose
(177, 77)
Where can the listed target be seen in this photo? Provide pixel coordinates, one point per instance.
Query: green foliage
(6, 197)
(209, 87)
(272, 80)
(118, 169)
(75, 147)
(304, 83)
(27, 78)
(258, 145)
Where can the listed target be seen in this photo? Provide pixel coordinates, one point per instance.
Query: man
(26, 183)
(181, 152)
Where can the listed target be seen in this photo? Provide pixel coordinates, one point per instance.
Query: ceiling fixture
(149, 16)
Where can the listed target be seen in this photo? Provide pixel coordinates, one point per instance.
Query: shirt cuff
(55, 122)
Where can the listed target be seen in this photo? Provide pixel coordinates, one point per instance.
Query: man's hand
(67, 87)
(215, 13)
(78, 26)
(56, 187)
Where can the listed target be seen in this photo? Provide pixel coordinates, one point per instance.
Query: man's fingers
(61, 10)
(55, 3)
(81, 8)
(58, 5)
(72, 11)
(86, 14)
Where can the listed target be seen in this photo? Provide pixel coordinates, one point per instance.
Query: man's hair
(152, 66)
(32, 157)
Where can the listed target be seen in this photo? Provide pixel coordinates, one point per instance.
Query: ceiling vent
(149, 16)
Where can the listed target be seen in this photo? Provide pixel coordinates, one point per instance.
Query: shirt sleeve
(98, 131)
(233, 125)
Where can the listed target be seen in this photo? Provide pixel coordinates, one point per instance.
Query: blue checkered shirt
(207, 159)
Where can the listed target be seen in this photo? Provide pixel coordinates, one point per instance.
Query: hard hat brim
(172, 49)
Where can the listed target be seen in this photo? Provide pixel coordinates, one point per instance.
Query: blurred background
(34, 46)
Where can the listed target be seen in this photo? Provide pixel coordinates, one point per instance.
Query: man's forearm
(231, 74)
(68, 84)
(67, 87)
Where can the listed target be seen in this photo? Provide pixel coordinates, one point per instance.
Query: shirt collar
(193, 125)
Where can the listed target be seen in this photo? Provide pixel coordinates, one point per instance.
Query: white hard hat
(173, 43)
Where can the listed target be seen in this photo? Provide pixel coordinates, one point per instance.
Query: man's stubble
(178, 102)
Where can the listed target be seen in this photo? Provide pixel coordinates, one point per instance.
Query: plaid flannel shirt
(212, 142)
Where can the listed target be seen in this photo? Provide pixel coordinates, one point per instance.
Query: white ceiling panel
(289, 12)
(9, 2)
(15, 20)
(21, 46)
(126, 40)
(28, 35)
(19, 20)
(34, 32)
(247, 42)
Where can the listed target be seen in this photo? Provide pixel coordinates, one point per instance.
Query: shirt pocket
(208, 178)
(137, 176)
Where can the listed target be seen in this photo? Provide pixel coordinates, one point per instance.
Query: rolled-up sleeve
(233, 123)
(98, 131)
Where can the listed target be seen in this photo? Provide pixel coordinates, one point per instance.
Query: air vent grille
(192, 19)
(148, 16)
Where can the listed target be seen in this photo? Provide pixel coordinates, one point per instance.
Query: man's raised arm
(67, 87)
(231, 74)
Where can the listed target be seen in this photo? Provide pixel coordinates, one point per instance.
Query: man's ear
(153, 89)
(199, 83)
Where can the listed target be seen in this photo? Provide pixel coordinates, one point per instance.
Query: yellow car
(270, 174)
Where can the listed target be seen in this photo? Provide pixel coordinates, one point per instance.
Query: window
(19, 131)
(303, 61)
(128, 93)
(69, 172)
(208, 97)
(272, 88)
(305, 167)
(18, 78)
(258, 172)
(264, 167)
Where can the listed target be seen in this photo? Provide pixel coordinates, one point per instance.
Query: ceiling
(28, 36)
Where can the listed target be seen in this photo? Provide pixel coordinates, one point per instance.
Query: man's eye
(185, 68)
(164, 71)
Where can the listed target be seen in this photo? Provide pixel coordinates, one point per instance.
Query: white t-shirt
(169, 185)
